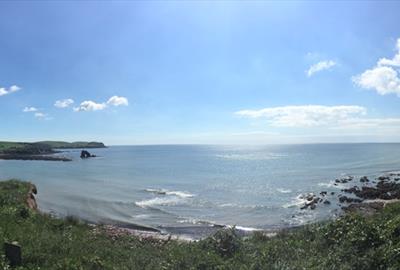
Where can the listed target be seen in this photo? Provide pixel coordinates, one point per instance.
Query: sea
(190, 190)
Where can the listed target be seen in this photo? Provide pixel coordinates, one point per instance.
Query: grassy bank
(351, 242)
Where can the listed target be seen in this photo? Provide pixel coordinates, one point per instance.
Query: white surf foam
(332, 185)
(246, 229)
(168, 198)
(283, 190)
(299, 200)
(251, 156)
(158, 201)
(181, 194)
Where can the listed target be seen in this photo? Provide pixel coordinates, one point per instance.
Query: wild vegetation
(63, 145)
(350, 242)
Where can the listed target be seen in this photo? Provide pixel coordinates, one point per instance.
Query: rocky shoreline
(33, 157)
(365, 196)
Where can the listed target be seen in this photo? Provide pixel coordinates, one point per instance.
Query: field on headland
(350, 242)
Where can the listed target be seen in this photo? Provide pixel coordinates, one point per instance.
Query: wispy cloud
(384, 77)
(304, 116)
(30, 109)
(37, 113)
(42, 116)
(312, 116)
(64, 103)
(89, 105)
(12, 89)
(320, 66)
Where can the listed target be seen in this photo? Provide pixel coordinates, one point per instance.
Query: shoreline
(350, 242)
(43, 150)
(33, 157)
(361, 196)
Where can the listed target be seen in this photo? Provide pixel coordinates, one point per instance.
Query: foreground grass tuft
(351, 242)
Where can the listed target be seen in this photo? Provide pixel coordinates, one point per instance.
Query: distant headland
(42, 150)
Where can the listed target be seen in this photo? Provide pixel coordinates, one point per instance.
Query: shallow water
(185, 188)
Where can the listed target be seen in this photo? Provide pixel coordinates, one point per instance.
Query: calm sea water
(183, 188)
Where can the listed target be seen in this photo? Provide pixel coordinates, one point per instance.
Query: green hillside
(43, 147)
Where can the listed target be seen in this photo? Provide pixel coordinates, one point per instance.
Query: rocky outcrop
(365, 209)
(86, 154)
(364, 198)
(30, 199)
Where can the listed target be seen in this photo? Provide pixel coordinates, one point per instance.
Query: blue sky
(200, 72)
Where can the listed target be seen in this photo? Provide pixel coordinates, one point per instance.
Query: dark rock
(310, 197)
(86, 154)
(327, 202)
(365, 209)
(364, 179)
(323, 193)
(345, 199)
(313, 206)
(351, 190)
(332, 193)
(383, 178)
(344, 180)
(13, 253)
(383, 190)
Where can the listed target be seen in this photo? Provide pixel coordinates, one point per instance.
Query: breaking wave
(181, 194)
(169, 198)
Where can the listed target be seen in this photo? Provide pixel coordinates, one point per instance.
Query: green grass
(10, 145)
(351, 242)
(60, 144)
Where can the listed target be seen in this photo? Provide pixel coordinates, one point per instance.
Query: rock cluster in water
(366, 196)
(86, 154)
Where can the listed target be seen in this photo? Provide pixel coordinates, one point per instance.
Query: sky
(200, 72)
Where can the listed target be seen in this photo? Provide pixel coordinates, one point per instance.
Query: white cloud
(392, 62)
(383, 78)
(89, 105)
(30, 109)
(11, 89)
(305, 116)
(42, 116)
(363, 123)
(322, 65)
(37, 113)
(117, 101)
(339, 118)
(63, 103)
